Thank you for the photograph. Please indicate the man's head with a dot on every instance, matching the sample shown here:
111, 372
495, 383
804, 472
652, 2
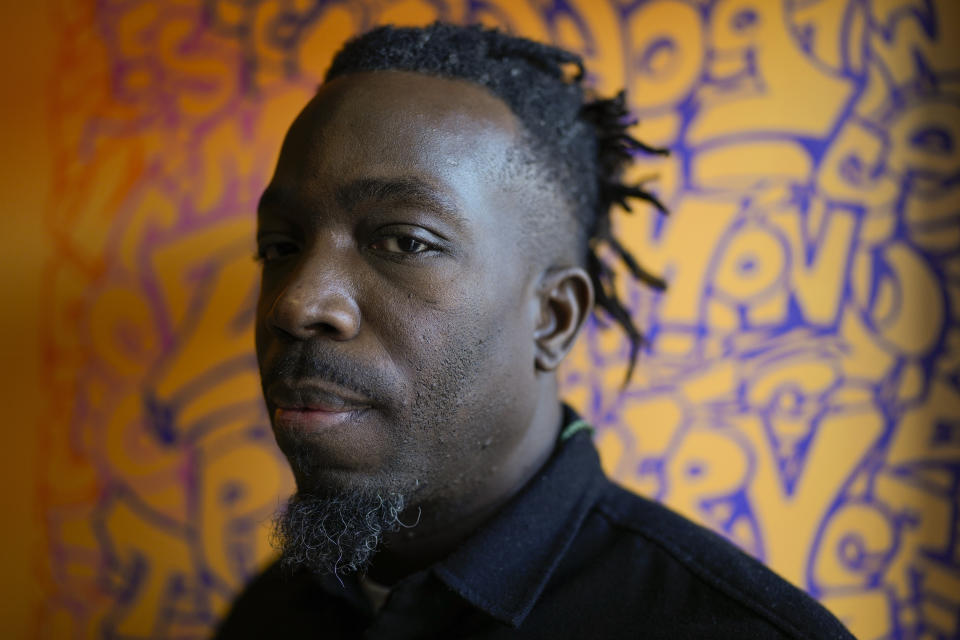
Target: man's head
427, 264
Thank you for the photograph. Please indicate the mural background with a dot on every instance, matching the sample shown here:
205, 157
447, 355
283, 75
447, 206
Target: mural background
801, 394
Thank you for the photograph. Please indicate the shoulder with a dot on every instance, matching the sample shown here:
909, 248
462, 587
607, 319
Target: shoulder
705, 568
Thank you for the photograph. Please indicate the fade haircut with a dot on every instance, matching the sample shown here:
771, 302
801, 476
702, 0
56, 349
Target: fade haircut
580, 139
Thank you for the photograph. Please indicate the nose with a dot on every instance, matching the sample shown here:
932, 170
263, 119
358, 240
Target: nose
315, 300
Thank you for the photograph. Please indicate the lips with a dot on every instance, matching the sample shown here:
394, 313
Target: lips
314, 405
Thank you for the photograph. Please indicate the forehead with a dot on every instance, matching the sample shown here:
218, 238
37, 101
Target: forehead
387, 124
368, 97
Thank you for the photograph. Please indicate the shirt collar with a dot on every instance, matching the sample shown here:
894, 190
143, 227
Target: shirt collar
503, 567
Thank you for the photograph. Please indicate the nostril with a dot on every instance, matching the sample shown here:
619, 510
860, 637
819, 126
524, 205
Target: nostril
339, 322
283, 334
333, 314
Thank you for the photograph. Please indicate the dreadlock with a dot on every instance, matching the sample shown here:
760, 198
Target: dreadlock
580, 139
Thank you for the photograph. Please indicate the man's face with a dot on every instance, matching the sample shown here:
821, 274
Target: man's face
397, 309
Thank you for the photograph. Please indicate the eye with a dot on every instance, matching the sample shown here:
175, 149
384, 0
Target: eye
270, 251
401, 244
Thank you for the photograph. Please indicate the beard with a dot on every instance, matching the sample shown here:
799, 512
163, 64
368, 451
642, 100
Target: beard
330, 526
335, 534
336, 522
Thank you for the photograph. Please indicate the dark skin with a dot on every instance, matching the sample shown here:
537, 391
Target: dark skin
409, 324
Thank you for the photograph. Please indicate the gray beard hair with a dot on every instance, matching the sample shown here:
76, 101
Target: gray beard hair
334, 534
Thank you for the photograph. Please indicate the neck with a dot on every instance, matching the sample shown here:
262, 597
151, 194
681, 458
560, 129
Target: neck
443, 525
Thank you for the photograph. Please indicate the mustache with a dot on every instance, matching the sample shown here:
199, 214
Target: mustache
322, 365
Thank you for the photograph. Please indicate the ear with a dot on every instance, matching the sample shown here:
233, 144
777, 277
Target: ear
565, 300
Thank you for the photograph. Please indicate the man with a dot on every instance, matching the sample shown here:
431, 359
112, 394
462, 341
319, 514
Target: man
429, 245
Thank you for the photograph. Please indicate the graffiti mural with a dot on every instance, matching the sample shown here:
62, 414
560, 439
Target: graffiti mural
801, 390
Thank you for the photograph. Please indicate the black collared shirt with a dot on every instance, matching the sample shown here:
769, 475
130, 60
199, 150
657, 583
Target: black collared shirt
572, 556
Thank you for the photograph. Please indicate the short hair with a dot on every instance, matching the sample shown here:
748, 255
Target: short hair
580, 139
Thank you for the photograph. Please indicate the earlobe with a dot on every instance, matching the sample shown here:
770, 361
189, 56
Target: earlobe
565, 301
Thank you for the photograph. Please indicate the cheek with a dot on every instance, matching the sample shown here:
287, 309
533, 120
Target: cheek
487, 346
263, 336
490, 324
260, 333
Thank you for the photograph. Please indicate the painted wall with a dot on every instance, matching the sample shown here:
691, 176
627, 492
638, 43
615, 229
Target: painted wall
802, 391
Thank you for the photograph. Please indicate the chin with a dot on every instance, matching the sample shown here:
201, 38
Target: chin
334, 464
335, 534
319, 473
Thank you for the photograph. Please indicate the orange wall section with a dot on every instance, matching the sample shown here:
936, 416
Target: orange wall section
800, 395
25, 59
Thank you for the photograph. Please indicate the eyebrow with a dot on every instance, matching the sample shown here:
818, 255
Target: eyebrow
408, 189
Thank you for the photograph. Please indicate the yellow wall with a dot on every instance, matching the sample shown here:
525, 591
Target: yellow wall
800, 395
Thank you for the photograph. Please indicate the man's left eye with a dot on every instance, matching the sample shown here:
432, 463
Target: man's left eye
401, 244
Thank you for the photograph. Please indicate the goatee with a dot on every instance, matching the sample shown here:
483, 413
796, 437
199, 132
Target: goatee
335, 534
